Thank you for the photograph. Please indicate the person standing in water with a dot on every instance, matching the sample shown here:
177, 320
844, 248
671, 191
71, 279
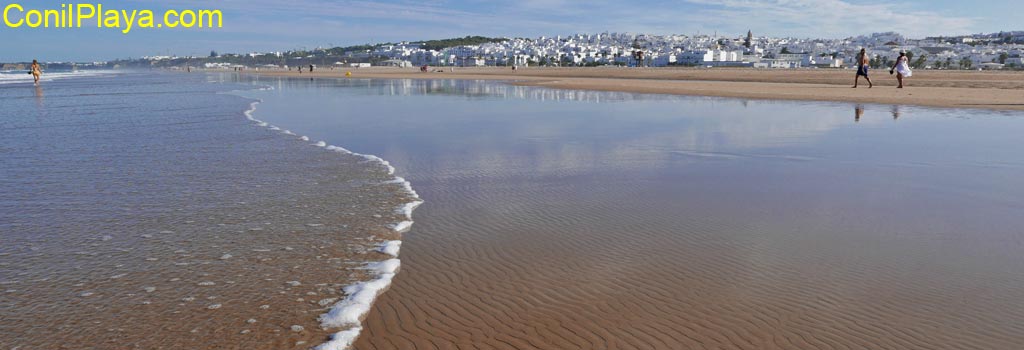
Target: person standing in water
902, 68
862, 69
36, 71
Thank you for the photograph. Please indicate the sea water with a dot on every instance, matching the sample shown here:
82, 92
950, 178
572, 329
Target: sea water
150, 210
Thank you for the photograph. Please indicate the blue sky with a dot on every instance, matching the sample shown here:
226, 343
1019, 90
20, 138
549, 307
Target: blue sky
263, 25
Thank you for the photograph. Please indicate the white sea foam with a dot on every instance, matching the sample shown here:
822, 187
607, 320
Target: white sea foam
407, 208
22, 76
341, 340
408, 189
338, 149
361, 295
390, 248
351, 310
402, 227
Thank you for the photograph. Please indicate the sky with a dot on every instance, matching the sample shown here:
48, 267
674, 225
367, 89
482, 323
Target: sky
265, 25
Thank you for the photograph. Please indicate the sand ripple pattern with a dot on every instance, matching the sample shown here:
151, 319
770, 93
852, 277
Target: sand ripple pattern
630, 266
568, 223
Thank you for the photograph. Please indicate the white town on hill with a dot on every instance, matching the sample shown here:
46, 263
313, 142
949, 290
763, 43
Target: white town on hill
980, 51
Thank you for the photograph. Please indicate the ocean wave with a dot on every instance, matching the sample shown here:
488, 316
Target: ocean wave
22, 76
360, 296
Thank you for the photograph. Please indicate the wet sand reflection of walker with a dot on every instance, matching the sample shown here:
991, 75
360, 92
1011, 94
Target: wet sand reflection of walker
858, 111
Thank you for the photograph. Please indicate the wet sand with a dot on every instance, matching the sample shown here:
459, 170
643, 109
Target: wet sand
936, 88
560, 219
147, 212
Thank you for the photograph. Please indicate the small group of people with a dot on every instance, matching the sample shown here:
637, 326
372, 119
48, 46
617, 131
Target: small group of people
310, 69
901, 68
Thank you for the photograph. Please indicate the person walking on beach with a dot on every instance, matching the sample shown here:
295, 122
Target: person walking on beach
311, 68
901, 68
862, 68
36, 71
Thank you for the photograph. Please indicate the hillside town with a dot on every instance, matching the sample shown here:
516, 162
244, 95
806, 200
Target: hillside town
991, 51
1004, 50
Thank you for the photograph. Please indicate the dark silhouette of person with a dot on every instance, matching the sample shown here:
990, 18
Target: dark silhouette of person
862, 69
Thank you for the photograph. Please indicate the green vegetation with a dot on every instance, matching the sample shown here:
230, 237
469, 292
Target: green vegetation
438, 45
880, 62
919, 63
965, 63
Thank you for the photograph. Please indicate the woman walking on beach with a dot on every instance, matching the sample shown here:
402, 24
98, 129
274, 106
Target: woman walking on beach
902, 68
862, 69
36, 71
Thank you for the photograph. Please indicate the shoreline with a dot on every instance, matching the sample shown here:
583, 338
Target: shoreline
943, 89
262, 235
516, 240
343, 320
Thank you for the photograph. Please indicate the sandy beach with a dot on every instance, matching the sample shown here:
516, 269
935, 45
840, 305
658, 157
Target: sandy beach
561, 219
933, 88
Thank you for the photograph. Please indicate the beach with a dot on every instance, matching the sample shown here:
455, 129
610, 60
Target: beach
934, 88
220, 210
571, 219
150, 211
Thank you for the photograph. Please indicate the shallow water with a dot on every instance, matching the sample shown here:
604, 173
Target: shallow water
145, 211
567, 219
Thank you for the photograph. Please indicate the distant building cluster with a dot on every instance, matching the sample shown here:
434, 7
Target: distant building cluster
1002, 50
978, 51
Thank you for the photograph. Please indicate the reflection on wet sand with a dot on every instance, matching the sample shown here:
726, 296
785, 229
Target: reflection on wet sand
39, 95
558, 219
858, 112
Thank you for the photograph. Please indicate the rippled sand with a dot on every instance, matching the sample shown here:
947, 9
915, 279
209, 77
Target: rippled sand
147, 212
583, 220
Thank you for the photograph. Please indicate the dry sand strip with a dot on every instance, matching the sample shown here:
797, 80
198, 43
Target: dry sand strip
949, 89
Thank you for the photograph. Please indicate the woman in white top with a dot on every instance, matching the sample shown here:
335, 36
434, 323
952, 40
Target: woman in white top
902, 68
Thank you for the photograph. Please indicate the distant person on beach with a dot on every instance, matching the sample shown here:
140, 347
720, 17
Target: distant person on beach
862, 69
36, 71
901, 68
311, 68
300, 69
